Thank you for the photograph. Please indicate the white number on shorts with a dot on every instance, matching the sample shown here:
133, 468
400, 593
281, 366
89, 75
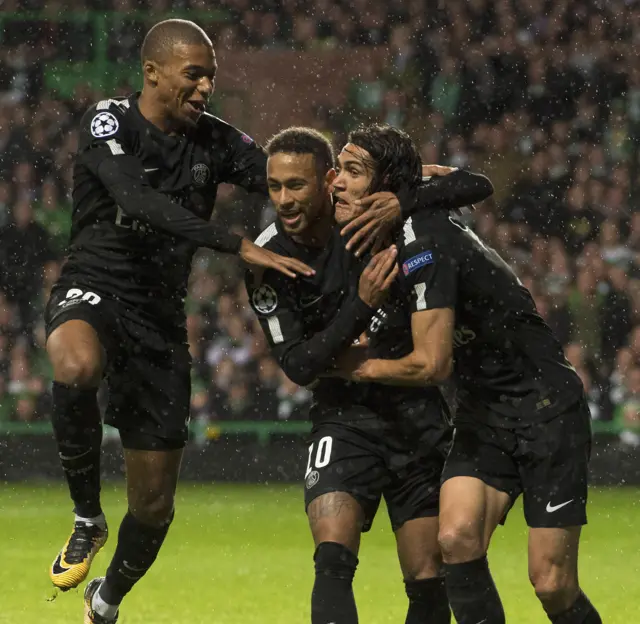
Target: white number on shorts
323, 455
75, 293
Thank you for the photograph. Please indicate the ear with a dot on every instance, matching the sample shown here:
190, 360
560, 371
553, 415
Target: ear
329, 177
151, 72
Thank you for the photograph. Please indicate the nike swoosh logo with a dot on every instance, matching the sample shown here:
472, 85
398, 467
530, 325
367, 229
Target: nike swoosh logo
132, 568
305, 303
153, 169
57, 568
552, 508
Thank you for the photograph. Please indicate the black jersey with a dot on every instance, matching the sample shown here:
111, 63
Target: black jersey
311, 320
142, 200
509, 368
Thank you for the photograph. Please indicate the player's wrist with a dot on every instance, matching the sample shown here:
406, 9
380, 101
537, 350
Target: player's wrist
366, 371
362, 309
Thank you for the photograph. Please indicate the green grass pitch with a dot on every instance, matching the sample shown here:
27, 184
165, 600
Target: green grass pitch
241, 554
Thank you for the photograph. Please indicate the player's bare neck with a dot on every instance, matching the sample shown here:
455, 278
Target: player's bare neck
155, 114
316, 236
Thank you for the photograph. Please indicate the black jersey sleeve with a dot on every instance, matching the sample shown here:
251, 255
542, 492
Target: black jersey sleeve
430, 272
455, 190
106, 149
302, 357
245, 162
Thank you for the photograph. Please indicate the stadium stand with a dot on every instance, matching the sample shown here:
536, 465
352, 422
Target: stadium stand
544, 100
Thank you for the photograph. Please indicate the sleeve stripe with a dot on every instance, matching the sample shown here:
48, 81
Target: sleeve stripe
115, 147
421, 300
275, 329
409, 234
266, 235
106, 104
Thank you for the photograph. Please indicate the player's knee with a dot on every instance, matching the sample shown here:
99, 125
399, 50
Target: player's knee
460, 543
555, 588
422, 567
77, 368
153, 507
335, 560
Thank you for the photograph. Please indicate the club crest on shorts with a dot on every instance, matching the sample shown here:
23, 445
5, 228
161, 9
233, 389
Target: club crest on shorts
200, 174
264, 299
104, 124
312, 479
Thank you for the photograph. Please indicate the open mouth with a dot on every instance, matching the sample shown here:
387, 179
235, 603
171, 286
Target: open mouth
197, 107
291, 219
340, 203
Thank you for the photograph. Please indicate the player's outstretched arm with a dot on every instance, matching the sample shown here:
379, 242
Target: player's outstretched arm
446, 188
257, 256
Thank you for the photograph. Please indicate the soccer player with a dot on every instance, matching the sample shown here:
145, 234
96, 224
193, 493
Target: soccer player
366, 442
522, 424
145, 182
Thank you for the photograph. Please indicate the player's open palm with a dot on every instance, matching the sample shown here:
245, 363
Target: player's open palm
260, 257
378, 276
373, 227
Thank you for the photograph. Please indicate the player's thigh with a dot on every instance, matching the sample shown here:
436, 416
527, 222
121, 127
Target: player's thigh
553, 560
150, 391
480, 483
554, 467
344, 480
152, 478
79, 327
336, 517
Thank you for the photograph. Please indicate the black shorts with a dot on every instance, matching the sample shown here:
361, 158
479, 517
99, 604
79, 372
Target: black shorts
148, 372
547, 462
368, 462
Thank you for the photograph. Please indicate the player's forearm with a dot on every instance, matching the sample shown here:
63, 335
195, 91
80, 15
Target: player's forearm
411, 370
309, 359
457, 189
143, 203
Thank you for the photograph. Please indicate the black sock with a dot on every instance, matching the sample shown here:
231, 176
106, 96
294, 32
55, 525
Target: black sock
137, 549
428, 602
582, 612
472, 592
332, 597
78, 432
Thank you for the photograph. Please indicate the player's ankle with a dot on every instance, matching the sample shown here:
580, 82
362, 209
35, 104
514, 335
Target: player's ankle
101, 606
98, 520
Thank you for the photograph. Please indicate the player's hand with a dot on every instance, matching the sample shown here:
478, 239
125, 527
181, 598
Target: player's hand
378, 276
428, 171
373, 227
260, 257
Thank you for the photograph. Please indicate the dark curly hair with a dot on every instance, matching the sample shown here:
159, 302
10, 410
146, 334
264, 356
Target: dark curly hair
300, 140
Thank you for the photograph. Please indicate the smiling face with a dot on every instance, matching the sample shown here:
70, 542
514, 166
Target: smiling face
299, 192
183, 82
354, 179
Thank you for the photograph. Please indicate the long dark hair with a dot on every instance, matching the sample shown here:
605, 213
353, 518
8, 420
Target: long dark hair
395, 158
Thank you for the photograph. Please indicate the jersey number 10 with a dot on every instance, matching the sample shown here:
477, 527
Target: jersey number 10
323, 454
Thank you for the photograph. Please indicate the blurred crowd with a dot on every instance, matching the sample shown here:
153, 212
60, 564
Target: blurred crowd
541, 96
